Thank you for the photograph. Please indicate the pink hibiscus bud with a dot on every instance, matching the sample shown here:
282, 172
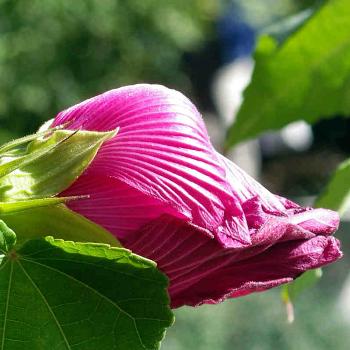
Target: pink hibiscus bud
161, 188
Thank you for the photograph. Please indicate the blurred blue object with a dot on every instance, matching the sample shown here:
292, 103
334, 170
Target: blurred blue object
236, 37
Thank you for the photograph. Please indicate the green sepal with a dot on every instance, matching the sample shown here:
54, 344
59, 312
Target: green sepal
22, 205
65, 295
49, 164
57, 221
11, 145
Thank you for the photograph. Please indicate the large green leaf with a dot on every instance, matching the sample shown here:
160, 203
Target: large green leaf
307, 77
63, 295
336, 195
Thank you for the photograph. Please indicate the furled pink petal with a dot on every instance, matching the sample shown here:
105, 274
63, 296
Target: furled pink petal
162, 152
202, 271
259, 205
115, 205
162, 189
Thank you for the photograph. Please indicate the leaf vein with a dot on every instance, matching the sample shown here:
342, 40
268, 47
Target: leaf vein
93, 290
47, 304
7, 305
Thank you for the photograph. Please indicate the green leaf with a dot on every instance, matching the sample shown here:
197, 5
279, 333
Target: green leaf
49, 165
306, 280
308, 77
336, 196
7, 238
282, 29
64, 295
57, 221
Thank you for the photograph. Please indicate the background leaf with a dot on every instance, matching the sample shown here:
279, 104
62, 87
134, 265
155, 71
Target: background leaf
64, 295
291, 290
336, 196
308, 77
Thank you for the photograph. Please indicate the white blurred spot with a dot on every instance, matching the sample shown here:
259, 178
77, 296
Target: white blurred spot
227, 89
228, 86
297, 136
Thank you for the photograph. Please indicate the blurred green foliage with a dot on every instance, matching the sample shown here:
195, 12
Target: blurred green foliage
258, 322
54, 53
